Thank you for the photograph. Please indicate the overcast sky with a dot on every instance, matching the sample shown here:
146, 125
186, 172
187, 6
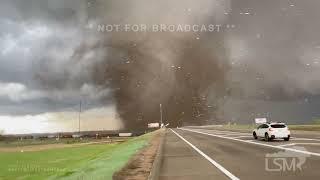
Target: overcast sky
33, 33
41, 37
273, 51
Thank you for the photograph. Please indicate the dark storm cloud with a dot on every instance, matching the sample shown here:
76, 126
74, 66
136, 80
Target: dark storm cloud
275, 49
275, 58
34, 33
59, 11
54, 51
143, 70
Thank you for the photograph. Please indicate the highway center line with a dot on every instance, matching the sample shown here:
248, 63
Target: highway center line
225, 132
241, 136
235, 134
251, 142
293, 144
306, 139
283, 145
221, 168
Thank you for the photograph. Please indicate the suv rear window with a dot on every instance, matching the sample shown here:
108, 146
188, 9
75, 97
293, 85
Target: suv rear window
278, 126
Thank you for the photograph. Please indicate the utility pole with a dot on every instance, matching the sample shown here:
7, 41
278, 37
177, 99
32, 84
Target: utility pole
160, 115
79, 117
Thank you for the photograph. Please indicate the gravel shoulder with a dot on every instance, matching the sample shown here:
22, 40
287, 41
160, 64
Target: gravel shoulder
140, 165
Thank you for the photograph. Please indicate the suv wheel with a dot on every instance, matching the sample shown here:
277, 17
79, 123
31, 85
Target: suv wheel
255, 135
287, 139
266, 137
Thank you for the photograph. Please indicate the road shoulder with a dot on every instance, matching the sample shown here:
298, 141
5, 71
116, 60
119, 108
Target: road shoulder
140, 165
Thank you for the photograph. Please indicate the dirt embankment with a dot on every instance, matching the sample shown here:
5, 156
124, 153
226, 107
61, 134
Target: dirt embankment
140, 165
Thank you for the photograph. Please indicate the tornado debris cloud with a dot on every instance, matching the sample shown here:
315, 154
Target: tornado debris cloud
199, 77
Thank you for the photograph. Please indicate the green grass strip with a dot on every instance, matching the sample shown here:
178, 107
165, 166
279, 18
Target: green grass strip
98, 161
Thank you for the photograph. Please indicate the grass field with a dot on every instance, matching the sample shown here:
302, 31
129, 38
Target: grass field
31, 142
313, 127
97, 161
28, 142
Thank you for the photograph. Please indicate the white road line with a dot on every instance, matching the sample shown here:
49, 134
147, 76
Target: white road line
306, 139
222, 131
242, 136
293, 144
283, 145
250, 142
226, 132
221, 168
236, 134
230, 133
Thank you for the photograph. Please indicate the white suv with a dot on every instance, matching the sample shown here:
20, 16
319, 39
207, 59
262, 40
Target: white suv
270, 131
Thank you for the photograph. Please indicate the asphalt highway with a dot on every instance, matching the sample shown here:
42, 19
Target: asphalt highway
194, 153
